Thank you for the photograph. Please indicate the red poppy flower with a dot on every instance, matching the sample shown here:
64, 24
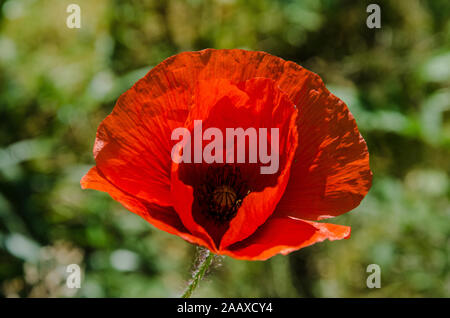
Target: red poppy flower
234, 209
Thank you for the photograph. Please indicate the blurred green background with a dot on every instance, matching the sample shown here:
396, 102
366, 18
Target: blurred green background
57, 84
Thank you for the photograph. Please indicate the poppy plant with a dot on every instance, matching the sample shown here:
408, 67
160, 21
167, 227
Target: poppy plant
230, 207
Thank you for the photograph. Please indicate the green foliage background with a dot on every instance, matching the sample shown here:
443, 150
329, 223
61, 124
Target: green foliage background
57, 84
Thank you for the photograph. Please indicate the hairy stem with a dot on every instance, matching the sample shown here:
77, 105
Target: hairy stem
198, 274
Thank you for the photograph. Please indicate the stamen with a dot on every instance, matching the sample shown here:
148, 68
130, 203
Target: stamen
221, 193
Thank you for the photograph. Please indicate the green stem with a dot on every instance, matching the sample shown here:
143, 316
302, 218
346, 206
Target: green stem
198, 275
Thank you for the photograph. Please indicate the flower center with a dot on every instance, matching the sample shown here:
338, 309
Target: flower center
221, 193
224, 197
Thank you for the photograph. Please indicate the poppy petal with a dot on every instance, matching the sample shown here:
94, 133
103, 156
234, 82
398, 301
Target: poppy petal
183, 202
251, 104
285, 235
236, 65
163, 218
330, 174
132, 146
257, 207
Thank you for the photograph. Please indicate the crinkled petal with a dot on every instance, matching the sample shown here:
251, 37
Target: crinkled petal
330, 174
164, 218
283, 236
132, 146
